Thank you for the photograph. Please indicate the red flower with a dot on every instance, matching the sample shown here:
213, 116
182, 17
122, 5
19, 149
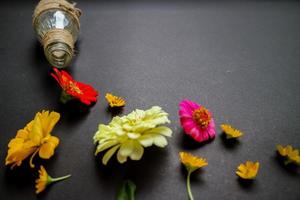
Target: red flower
74, 89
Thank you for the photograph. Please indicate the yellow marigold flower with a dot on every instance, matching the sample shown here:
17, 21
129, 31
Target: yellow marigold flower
34, 138
114, 101
230, 131
191, 163
44, 180
248, 170
291, 155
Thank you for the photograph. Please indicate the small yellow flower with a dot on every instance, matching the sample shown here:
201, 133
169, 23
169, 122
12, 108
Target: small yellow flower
291, 155
44, 180
230, 131
192, 162
248, 170
34, 138
114, 101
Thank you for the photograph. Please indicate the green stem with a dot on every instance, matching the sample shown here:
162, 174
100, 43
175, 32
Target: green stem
60, 178
188, 186
64, 97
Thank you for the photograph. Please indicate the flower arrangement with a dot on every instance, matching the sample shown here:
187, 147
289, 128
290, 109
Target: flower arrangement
130, 134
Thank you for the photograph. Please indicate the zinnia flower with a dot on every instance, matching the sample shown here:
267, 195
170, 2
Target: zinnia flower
34, 138
114, 101
191, 164
248, 170
73, 89
44, 180
196, 121
230, 131
291, 155
130, 134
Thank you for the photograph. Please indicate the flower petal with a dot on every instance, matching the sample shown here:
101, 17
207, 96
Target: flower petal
137, 152
126, 148
146, 140
105, 145
160, 141
109, 154
121, 158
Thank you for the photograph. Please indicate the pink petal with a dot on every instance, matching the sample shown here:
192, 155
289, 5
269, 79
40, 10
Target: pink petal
188, 105
195, 133
211, 129
187, 124
185, 113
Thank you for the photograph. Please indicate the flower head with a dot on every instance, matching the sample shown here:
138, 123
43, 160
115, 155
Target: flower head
196, 121
192, 162
130, 134
74, 89
114, 101
34, 138
44, 180
291, 155
230, 131
248, 170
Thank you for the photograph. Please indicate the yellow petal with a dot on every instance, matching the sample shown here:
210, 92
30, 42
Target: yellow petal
16, 157
137, 151
109, 154
16, 143
105, 145
49, 121
47, 149
121, 158
36, 133
126, 148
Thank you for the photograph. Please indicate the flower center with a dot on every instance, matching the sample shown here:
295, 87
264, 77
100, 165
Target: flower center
74, 87
202, 117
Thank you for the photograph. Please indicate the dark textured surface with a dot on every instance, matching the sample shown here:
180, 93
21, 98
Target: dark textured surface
241, 59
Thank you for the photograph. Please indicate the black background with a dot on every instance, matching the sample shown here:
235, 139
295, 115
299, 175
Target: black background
241, 59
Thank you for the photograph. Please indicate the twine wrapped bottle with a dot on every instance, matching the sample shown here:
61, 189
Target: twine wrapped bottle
56, 23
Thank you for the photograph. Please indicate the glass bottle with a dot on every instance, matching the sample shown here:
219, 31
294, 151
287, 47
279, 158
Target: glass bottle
56, 23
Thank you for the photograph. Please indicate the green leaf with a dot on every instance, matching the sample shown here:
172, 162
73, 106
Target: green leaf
127, 191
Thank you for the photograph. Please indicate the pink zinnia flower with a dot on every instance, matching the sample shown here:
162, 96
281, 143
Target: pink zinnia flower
196, 121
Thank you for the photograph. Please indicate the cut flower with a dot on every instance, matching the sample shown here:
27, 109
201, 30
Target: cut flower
196, 121
231, 132
34, 138
45, 179
73, 89
291, 155
131, 133
114, 101
248, 170
191, 164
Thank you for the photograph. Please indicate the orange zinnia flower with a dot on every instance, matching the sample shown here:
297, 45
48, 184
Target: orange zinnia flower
74, 89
